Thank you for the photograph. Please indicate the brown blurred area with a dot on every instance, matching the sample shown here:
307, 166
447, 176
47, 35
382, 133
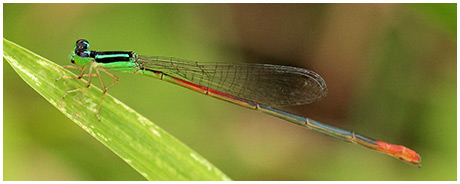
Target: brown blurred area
338, 41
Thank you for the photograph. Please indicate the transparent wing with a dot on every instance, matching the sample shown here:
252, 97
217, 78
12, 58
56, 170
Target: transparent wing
263, 83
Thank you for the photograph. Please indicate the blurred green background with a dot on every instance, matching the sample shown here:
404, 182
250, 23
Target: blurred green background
390, 70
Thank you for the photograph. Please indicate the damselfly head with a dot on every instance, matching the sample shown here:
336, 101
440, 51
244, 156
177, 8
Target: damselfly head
80, 56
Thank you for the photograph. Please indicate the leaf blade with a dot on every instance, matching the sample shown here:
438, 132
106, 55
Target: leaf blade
147, 148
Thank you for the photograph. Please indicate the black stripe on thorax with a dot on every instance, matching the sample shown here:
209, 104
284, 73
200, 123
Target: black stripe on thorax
111, 56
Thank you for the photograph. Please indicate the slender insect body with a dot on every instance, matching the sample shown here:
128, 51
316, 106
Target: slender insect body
248, 85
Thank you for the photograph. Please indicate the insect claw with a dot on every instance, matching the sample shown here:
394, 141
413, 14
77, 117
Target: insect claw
97, 116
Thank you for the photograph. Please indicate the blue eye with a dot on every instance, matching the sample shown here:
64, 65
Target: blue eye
82, 44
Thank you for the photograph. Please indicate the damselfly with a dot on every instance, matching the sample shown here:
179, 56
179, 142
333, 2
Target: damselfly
255, 86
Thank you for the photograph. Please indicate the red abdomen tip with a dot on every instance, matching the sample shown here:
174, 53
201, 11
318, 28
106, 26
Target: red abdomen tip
400, 152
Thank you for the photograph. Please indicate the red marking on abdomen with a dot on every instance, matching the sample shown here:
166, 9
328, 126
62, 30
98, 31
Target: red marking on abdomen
400, 152
192, 86
211, 92
222, 94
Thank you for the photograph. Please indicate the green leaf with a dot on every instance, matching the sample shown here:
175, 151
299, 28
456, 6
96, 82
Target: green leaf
147, 148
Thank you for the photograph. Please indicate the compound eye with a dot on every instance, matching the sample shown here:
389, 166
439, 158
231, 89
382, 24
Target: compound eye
82, 44
73, 61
